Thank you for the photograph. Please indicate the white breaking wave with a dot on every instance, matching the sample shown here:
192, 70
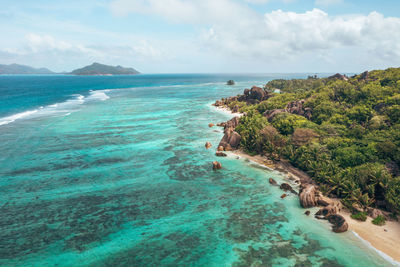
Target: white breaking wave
12, 118
100, 95
57, 108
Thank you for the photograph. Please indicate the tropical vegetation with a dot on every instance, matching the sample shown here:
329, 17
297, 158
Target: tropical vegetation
350, 144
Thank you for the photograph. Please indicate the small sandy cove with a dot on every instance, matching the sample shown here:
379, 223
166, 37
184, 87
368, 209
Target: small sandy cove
384, 238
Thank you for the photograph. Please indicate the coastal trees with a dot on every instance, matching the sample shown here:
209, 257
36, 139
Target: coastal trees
350, 140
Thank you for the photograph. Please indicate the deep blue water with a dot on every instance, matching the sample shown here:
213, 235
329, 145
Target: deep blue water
112, 171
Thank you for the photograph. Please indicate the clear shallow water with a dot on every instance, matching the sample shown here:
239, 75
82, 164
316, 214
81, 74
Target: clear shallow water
121, 177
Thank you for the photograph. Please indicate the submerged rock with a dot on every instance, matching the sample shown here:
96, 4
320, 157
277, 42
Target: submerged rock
216, 165
286, 187
208, 145
273, 182
283, 196
307, 213
220, 154
210, 125
339, 223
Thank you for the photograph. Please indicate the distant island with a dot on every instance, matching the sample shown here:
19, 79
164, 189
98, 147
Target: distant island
101, 69
22, 69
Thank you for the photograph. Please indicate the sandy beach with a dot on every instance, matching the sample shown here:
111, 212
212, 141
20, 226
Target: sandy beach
383, 238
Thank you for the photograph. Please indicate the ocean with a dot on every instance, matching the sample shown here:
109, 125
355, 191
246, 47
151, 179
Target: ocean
112, 171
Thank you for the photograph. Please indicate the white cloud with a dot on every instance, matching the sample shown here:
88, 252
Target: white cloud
49, 51
234, 29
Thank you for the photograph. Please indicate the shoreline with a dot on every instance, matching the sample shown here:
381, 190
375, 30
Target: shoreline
384, 242
382, 239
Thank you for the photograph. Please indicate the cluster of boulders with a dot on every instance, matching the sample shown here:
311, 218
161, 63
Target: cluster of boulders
231, 139
311, 197
254, 95
250, 96
339, 76
294, 107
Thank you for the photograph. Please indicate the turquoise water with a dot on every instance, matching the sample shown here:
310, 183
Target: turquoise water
121, 178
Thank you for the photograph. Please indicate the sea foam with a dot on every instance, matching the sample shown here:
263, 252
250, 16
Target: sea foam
57, 108
12, 118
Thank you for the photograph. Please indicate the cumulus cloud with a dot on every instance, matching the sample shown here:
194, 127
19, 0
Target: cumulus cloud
234, 28
46, 48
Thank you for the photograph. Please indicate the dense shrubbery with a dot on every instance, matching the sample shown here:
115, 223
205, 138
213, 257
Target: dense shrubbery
353, 134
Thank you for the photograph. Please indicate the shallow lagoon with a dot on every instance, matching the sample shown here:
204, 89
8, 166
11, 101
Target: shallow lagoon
121, 177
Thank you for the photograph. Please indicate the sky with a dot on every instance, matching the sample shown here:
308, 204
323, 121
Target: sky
203, 36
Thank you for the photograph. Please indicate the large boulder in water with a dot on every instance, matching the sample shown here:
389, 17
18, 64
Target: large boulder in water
339, 224
307, 196
208, 145
216, 165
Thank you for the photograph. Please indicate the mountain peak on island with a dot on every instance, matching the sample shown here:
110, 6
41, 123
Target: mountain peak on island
22, 69
101, 69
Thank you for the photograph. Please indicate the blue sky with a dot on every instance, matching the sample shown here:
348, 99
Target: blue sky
203, 36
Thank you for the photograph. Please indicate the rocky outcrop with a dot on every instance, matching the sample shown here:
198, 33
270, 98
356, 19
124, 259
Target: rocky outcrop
216, 165
339, 224
327, 211
297, 107
231, 139
220, 148
339, 76
307, 213
324, 201
374, 213
307, 196
208, 145
364, 76
287, 187
254, 95
283, 196
294, 107
210, 125
220, 154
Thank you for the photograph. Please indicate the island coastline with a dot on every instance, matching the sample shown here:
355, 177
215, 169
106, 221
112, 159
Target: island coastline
380, 238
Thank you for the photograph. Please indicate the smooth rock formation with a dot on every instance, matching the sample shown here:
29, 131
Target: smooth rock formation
325, 212
208, 145
373, 213
220, 154
217, 165
324, 201
339, 224
231, 139
307, 196
254, 95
